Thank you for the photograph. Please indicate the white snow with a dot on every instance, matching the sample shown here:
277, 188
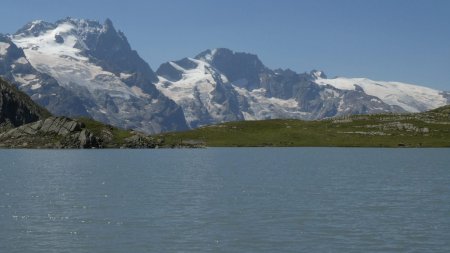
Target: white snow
125, 75
317, 73
139, 93
341, 107
28, 80
210, 57
262, 107
36, 86
195, 86
65, 63
111, 100
4, 48
375, 100
410, 97
34, 23
22, 60
25, 80
193, 94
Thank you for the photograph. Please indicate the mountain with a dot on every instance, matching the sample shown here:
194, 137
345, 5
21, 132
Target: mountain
411, 98
77, 67
221, 85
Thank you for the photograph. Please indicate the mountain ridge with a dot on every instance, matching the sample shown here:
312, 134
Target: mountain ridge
80, 67
270, 94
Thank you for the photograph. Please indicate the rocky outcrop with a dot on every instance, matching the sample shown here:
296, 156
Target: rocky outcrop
139, 140
66, 133
16, 108
53, 132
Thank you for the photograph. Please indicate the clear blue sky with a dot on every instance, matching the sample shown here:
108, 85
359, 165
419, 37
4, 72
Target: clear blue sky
393, 40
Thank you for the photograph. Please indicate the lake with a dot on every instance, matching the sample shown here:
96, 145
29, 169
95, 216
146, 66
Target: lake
225, 200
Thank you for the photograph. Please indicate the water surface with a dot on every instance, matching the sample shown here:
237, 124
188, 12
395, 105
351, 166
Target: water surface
225, 200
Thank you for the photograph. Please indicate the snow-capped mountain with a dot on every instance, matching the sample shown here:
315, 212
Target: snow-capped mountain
221, 85
202, 91
78, 67
412, 98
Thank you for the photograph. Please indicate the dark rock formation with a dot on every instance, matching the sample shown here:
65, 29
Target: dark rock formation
236, 66
16, 108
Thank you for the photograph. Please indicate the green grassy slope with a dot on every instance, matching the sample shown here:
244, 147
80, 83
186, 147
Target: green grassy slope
116, 135
429, 129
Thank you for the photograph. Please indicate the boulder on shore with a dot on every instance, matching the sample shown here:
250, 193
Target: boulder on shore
53, 132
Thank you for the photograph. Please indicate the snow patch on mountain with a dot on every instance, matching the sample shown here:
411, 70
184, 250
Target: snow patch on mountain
209, 56
22, 60
66, 63
194, 90
410, 97
3, 48
207, 96
263, 107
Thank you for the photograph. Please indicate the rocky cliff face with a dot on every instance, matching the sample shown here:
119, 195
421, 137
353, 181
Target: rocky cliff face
16, 108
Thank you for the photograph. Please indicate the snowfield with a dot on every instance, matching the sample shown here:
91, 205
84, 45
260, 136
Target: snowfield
194, 90
410, 97
67, 65
4, 48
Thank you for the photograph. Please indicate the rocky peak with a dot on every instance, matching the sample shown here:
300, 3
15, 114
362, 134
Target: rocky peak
16, 108
171, 70
236, 66
113, 52
108, 25
35, 28
317, 74
225, 55
8, 51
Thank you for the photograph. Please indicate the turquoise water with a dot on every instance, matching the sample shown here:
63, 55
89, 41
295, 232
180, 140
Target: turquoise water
225, 200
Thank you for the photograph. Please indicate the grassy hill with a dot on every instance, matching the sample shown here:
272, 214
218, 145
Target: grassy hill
428, 129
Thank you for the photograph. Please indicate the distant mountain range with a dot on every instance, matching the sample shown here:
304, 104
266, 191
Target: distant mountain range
77, 67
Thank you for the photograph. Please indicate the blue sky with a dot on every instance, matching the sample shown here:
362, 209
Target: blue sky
392, 40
